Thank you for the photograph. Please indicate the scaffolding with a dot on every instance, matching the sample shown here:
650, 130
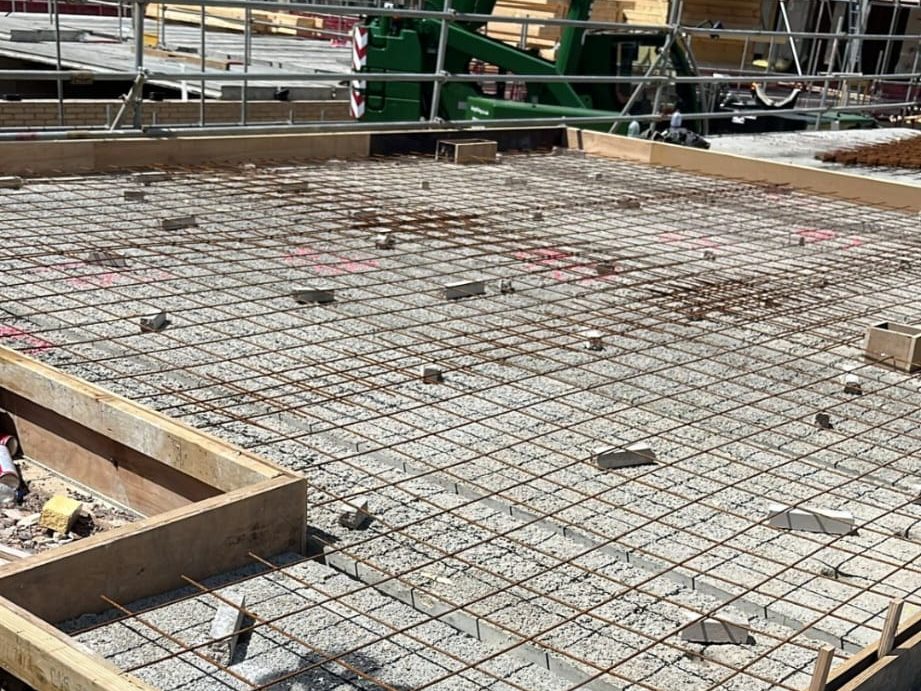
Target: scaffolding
829, 51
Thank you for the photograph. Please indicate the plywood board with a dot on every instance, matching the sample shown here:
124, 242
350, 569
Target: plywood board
150, 556
209, 460
855, 188
47, 660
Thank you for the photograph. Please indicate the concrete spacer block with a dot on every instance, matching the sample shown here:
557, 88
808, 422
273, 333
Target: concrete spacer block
295, 186
106, 258
178, 223
59, 513
225, 628
385, 241
425, 185
893, 345
823, 421
134, 195
154, 324
432, 374
151, 176
629, 203
810, 519
616, 457
594, 340
714, 631
465, 151
506, 286
464, 289
606, 267
852, 384
318, 295
356, 514
10, 182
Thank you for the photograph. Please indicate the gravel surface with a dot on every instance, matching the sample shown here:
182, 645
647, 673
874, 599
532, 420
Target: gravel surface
732, 314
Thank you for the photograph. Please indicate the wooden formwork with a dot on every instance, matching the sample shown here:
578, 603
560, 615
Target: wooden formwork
208, 505
854, 188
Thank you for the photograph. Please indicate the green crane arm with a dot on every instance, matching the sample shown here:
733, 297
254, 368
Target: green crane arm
473, 45
570, 50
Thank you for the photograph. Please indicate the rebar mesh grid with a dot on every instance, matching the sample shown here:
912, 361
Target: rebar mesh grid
731, 314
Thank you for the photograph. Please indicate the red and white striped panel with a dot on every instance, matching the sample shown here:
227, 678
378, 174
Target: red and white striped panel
359, 60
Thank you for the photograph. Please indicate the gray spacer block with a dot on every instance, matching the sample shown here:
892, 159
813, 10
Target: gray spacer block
10, 182
112, 260
464, 289
318, 295
225, 626
714, 631
432, 374
385, 241
618, 457
148, 177
178, 223
811, 520
295, 186
134, 195
154, 324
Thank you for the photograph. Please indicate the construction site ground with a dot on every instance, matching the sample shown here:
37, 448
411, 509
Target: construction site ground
728, 312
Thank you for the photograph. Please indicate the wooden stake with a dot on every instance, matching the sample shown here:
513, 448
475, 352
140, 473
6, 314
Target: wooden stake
822, 667
887, 637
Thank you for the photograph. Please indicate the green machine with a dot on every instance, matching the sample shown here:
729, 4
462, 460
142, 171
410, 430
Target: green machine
385, 44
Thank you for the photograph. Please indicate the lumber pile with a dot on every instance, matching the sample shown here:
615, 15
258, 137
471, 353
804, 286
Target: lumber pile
234, 19
545, 37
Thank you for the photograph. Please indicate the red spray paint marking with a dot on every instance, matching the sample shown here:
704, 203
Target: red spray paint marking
105, 279
816, 234
678, 239
563, 268
36, 344
329, 264
853, 241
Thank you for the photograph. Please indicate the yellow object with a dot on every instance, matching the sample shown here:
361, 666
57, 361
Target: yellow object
59, 513
151, 40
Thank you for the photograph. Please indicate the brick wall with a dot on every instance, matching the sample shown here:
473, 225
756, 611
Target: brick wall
82, 113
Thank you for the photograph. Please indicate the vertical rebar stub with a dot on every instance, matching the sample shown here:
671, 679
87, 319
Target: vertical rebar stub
432, 374
313, 295
155, 323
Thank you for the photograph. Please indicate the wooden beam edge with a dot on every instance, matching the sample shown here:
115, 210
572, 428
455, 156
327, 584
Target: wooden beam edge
48, 660
864, 662
101, 541
887, 194
140, 428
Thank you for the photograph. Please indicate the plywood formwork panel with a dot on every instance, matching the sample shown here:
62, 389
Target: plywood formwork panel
206, 459
151, 555
45, 658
